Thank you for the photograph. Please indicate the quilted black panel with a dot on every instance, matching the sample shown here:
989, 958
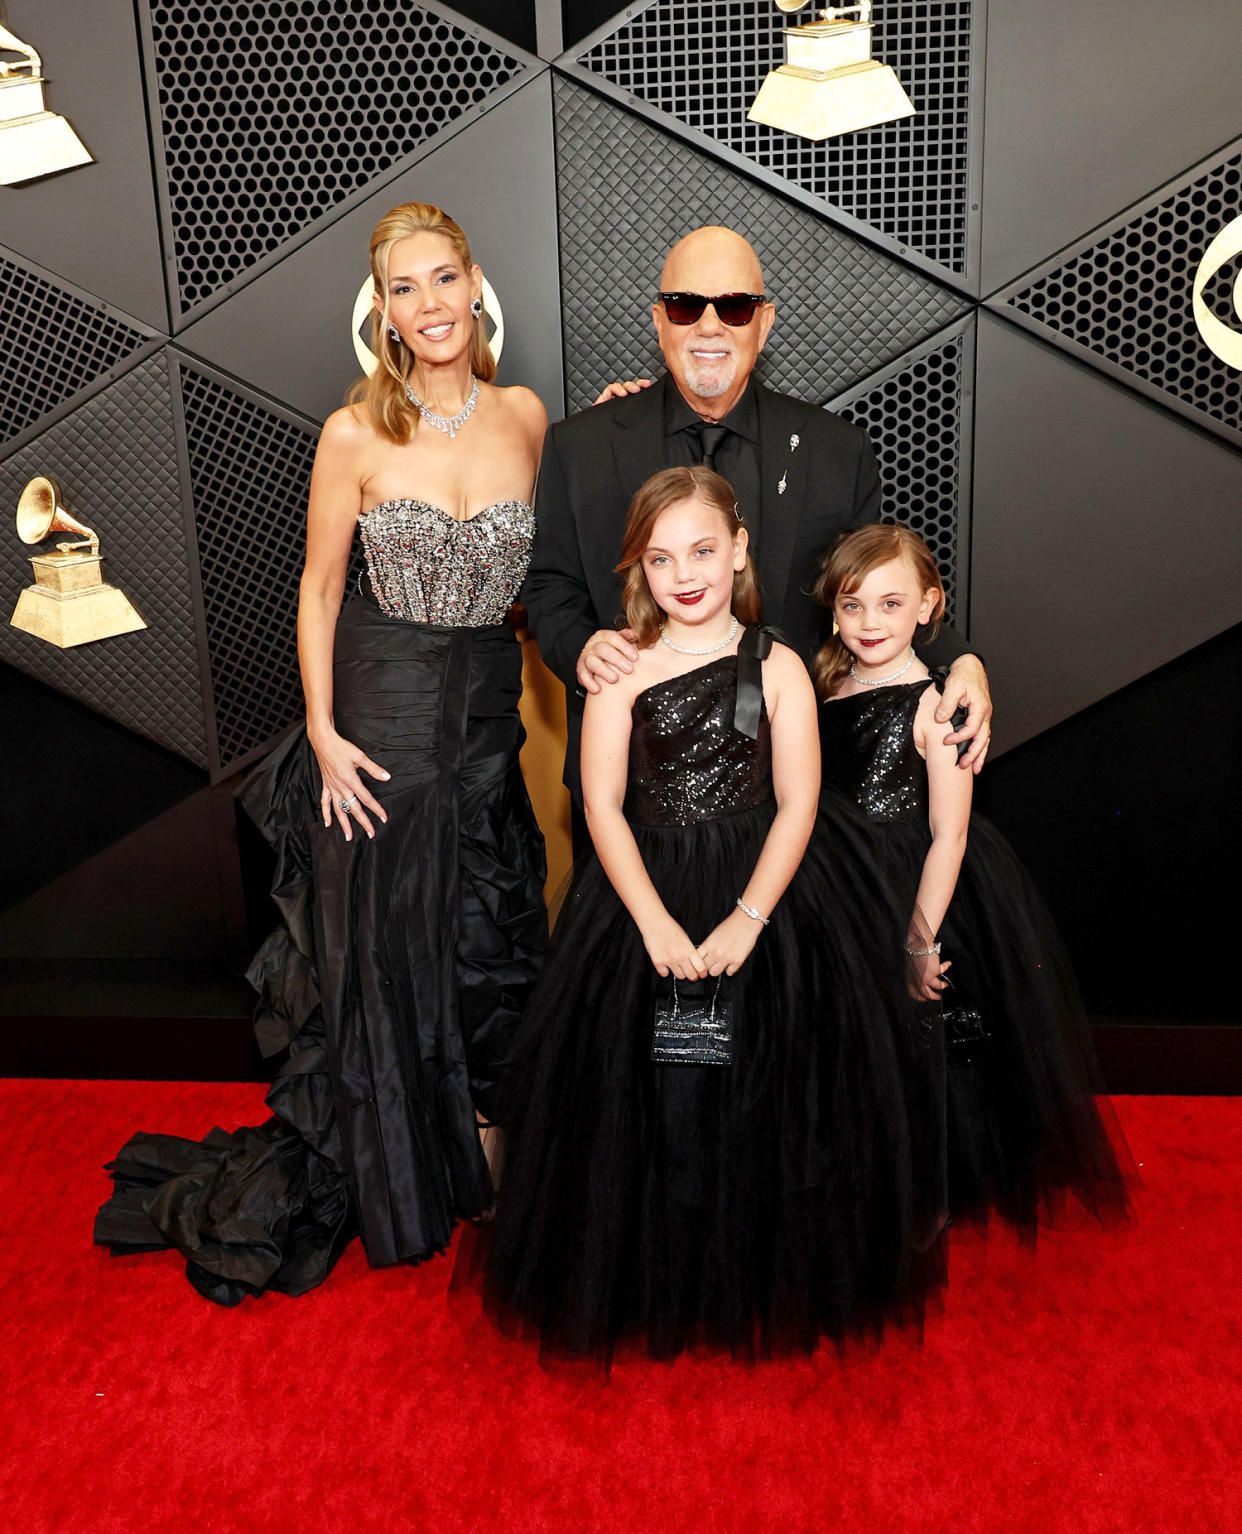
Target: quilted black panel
627, 191
276, 110
52, 344
913, 416
1126, 297
116, 460
250, 473
703, 61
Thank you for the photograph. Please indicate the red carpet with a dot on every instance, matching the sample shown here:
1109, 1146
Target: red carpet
1095, 1384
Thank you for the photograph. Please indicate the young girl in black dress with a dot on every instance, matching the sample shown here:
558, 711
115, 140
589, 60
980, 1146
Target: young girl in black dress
771, 1197
1023, 1123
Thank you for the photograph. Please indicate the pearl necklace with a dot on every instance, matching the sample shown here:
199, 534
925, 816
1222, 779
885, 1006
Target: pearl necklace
882, 681
447, 424
711, 649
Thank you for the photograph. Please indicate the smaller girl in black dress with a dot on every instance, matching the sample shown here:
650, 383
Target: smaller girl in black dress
1023, 1123
756, 1188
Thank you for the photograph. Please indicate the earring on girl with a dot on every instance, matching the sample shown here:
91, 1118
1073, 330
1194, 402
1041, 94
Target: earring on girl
476, 308
836, 628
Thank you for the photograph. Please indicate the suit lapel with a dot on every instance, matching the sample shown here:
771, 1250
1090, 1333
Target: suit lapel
782, 495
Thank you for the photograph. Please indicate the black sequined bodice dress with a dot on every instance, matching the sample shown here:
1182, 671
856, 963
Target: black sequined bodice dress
403, 964
756, 1206
1024, 1123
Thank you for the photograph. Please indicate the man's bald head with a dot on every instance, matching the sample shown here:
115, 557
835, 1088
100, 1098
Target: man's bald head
712, 249
711, 362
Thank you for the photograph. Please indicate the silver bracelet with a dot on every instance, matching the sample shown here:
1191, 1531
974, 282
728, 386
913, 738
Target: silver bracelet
922, 953
750, 911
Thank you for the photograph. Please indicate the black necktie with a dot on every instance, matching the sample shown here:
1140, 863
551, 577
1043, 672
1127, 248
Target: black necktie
709, 437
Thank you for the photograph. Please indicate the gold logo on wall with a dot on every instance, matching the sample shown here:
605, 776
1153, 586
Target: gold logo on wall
33, 141
363, 308
1223, 339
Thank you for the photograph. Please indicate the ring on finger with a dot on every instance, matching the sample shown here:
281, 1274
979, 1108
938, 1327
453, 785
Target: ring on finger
345, 803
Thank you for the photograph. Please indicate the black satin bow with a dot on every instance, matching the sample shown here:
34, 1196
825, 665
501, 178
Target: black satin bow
754, 649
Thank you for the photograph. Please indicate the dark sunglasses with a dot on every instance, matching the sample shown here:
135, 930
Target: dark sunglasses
732, 308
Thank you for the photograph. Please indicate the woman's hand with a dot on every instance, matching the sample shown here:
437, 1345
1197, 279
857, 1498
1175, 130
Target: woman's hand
339, 765
619, 388
924, 972
727, 947
669, 948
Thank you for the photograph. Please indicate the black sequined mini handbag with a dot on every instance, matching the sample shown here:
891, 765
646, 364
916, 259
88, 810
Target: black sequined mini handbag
694, 1027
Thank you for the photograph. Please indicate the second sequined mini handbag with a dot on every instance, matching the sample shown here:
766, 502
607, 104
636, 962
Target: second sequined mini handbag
694, 1027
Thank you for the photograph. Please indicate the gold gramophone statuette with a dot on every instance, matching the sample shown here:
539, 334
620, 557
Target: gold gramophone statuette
33, 141
70, 603
829, 83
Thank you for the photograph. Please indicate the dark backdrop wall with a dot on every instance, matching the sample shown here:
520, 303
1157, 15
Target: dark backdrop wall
999, 289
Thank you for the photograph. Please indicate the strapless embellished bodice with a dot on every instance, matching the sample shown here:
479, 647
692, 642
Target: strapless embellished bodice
427, 567
868, 753
687, 761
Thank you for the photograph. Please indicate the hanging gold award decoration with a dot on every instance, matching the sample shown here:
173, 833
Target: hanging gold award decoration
33, 141
829, 83
70, 603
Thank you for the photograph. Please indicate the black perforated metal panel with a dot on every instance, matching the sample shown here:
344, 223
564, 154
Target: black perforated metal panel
1127, 297
703, 61
52, 343
116, 460
627, 191
250, 473
275, 110
913, 415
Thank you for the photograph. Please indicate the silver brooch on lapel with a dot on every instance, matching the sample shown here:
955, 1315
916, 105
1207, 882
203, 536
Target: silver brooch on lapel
793, 442
780, 489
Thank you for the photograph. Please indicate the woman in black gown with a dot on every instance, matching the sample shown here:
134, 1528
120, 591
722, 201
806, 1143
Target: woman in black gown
409, 865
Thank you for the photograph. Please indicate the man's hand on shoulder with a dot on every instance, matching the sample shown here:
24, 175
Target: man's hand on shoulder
605, 656
966, 686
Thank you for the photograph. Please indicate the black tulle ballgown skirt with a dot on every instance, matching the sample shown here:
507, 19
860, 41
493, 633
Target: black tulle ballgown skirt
754, 1207
395, 982
1026, 1119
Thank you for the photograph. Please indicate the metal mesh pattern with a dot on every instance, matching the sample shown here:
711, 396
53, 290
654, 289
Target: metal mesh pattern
627, 191
116, 460
250, 472
1127, 297
703, 61
914, 420
52, 344
275, 110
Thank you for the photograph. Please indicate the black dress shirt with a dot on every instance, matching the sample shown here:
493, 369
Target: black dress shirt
737, 458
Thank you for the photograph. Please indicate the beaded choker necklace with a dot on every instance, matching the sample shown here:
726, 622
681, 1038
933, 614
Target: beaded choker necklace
881, 681
710, 650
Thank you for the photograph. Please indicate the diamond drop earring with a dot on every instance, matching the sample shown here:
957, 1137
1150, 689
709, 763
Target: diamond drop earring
476, 308
393, 333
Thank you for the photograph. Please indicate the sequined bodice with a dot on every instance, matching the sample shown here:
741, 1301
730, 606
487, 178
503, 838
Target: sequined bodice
428, 567
687, 762
867, 748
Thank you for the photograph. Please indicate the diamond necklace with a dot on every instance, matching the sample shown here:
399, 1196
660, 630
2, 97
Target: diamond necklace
881, 681
448, 424
711, 649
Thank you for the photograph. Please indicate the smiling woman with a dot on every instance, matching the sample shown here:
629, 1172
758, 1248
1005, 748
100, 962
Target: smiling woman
410, 868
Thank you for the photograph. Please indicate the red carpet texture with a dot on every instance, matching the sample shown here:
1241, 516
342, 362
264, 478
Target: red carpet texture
1094, 1383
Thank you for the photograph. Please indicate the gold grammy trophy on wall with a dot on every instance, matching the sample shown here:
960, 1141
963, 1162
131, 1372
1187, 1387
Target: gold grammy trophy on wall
33, 141
70, 602
829, 83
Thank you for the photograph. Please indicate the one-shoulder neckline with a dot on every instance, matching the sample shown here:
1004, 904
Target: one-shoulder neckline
416, 500
923, 681
682, 675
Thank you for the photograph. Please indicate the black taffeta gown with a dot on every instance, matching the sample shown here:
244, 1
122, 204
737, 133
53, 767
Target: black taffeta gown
754, 1207
1024, 1123
403, 964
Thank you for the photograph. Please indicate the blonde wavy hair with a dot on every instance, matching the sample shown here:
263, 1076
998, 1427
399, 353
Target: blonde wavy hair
846, 565
654, 496
382, 396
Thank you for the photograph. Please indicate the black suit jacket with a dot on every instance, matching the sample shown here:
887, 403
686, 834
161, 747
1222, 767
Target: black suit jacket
817, 476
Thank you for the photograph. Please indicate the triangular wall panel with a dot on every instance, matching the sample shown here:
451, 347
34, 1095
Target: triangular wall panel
700, 63
1122, 296
275, 112
628, 191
